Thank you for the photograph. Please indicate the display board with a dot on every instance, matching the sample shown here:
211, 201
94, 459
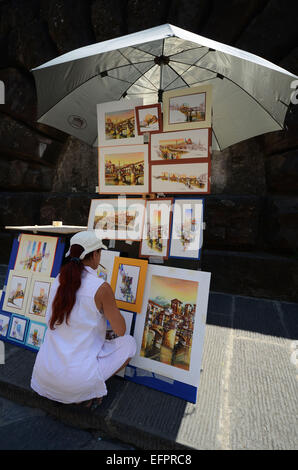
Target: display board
34, 262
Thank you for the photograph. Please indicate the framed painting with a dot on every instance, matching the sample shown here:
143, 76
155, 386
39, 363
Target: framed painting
123, 170
117, 219
170, 329
17, 292
128, 282
181, 146
4, 324
187, 228
38, 297
17, 330
187, 108
105, 268
36, 253
35, 334
128, 317
156, 231
186, 178
117, 123
149, 118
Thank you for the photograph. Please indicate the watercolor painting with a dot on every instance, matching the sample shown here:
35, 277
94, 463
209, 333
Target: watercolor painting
187, 108
105, 268
127, 283
149, 118
35, 335
117, 122
36, 253
186, 236
39, 299
156, 228
123, 170
169, 331
180, 178
17, 329
192, 144
169, 322
4, 322
17, 291
118, 219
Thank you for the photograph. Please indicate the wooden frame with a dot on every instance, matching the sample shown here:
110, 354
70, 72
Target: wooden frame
186, 146
187, 108
128, 207
117, 163
165, 216
114, 133
133, 285
38, 298
17, 292
143, 116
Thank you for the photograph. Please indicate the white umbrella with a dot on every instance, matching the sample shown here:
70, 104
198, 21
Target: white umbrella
250, 95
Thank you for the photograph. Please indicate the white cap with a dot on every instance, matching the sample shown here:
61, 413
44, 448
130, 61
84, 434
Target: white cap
87, 240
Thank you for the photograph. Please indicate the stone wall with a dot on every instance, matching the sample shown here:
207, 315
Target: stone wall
250, 241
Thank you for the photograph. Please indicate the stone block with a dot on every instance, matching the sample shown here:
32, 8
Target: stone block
282, 173
189, 15
231, 222
19, 208
279, 225
72, 209
252, 274
19, 175
108, 19
20, 94
143, 14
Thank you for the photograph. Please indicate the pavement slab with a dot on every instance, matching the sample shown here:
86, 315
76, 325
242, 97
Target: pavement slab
247, 397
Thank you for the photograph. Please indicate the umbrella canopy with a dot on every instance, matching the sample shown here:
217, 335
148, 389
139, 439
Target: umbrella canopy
250, 95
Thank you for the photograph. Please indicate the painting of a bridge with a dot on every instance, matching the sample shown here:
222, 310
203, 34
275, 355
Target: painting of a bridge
123, 170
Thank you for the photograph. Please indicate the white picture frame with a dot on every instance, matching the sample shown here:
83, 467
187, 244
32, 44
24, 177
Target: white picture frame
197, 284
36, 254
38, 298
116, 121
107, 258
17, 292
123, 170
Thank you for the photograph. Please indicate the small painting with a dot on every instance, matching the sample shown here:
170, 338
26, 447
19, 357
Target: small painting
17, 291
35, 335
128, 280
117, 123
36, 254
183, 145
156, 231
117, 219
39, 297
187, 226
17, 329
149, 118
4, 322
105, 268
187, 108
123, 170
180, 178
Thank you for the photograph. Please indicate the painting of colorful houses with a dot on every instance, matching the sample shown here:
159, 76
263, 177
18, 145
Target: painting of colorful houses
169, 323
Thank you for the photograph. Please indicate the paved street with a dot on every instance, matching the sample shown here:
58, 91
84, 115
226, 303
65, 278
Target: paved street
26, 428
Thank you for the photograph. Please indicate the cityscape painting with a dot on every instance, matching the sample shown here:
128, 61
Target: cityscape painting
123, 170
38, 297
169, 332
17, 291
181, 145
180, 178
117, 123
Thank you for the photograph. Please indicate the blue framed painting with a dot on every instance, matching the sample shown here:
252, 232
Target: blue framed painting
35, 335
4, 324
17, 329
187, 228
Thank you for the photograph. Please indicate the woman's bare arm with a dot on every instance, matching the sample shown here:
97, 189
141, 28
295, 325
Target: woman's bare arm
105, 302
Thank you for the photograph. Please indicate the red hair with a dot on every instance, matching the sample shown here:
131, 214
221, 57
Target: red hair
69, 283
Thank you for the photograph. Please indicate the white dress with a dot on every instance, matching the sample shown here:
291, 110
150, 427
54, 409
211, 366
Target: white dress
70, 366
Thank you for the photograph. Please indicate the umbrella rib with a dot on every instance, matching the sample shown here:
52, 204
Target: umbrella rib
187, 50
134, 65
178, 76
125, 92
251, 96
